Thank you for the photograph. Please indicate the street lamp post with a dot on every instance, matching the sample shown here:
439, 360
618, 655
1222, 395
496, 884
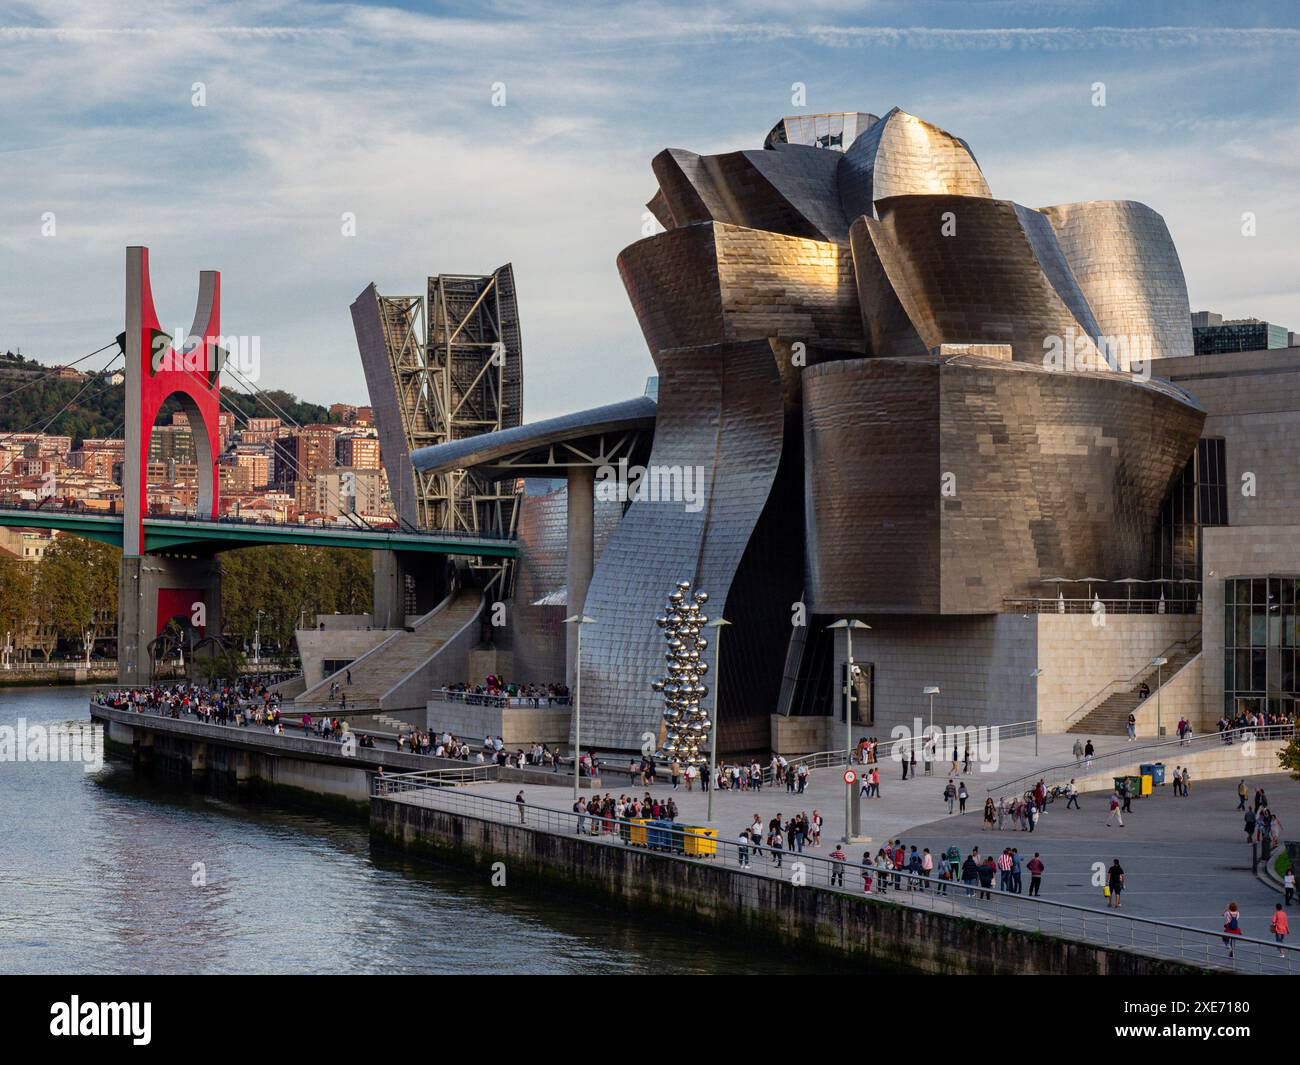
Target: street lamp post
257, 641
1159, 663
1036, 674
579, 620
717, 624
848, 625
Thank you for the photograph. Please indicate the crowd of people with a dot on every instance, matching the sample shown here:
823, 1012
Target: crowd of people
603, 815
247, 703
496, 690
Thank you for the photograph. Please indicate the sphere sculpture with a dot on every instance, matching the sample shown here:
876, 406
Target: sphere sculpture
686, 723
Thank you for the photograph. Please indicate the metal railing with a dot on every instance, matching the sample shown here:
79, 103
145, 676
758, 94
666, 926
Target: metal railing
1049, 605
527, 702
30, 666
1138, 755
1143, 935
942, 736
44, 506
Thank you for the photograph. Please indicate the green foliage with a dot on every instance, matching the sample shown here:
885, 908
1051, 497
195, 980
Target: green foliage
76, 586
17, 584
99, 410
1289, 757
284, 581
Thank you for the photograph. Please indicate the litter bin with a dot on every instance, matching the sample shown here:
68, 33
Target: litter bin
636, 832
1154, 770
1134, 784
659, 835
700, 842
1146, 784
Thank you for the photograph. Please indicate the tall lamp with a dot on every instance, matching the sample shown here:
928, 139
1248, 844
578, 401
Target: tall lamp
579, 620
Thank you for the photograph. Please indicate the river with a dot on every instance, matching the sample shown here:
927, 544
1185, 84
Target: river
97, 871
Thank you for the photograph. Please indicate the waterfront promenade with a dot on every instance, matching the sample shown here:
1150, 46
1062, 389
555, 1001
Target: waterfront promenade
461, 809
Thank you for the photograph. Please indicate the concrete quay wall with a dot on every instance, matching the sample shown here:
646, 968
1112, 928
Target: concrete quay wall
884, 936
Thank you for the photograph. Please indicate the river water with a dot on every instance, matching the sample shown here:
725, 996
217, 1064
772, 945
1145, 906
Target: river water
97, 870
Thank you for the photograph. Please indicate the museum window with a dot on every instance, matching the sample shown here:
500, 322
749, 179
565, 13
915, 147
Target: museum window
1260, 630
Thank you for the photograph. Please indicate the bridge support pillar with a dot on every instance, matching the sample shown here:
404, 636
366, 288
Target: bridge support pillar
404, 579
581, 556
154, 589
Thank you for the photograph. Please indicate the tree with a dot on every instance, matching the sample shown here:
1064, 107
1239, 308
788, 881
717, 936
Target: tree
286, 582
76, 587
1289, 757
17, 582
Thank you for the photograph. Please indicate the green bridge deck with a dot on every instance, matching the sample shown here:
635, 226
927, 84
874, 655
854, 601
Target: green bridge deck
162, 534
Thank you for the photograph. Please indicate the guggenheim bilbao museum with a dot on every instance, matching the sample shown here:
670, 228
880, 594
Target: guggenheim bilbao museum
883, 394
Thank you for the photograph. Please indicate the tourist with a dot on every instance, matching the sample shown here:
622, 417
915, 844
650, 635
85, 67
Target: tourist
1126, 794
1231, 926
1114, 884
816, 828
987, 872
742, 848
1115, 813
969, 873
1072, 793
1288, 885
837, 870
580, 808
927, 868
1087, 754
1241, 796
988, 815
962, 796
1250, 826
1280, 928
1036, 868
1132, 727
1017, 881
1004, 869
868, 872
519, 801
1187, 782
950, 795
1078, 751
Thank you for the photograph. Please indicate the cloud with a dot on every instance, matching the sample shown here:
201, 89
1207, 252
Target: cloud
314, 109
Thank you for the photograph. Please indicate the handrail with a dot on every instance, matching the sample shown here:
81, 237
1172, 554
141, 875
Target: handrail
1128, 755
894, 748
1090, 704
1114, 928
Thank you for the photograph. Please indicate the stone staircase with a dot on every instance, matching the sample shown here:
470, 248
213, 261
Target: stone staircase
1110, 716
378, 670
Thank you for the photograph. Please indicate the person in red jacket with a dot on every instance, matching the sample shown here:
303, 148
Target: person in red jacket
1036, 868
1280, 929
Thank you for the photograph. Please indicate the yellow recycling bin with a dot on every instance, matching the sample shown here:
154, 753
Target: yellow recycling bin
1146, 784
636, 832
700, 842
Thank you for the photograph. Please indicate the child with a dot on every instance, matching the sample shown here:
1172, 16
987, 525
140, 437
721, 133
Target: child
1280, 929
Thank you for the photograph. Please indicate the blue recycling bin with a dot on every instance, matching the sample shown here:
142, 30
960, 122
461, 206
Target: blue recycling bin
659, 835
1155, 770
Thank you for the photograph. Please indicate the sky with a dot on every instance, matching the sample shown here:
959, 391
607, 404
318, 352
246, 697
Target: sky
313, 110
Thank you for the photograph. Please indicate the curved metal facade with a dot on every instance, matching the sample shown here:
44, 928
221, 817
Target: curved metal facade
945, 486
902, 155
1128, 268
966, 272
